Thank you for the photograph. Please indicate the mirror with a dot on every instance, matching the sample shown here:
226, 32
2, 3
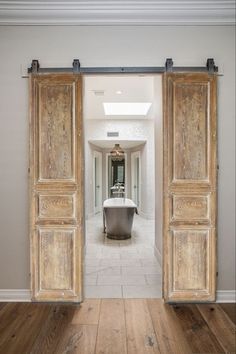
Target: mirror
116, 177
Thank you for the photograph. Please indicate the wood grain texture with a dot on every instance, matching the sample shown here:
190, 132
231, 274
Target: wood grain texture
141, 336
189, 186
230, 310
190, 207
56, 136
190, 268
25, 321
56, 187
88, 312
56, 272
78, 339
2, 304
170, 336
197, 332
220, 324
190, 130
9, 316
53, 330
111, 338
56, 206
122, 326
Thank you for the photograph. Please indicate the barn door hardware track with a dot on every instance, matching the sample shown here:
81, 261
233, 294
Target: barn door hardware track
169, 67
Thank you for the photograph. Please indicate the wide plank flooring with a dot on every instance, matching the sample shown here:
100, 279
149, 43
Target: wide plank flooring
117, 326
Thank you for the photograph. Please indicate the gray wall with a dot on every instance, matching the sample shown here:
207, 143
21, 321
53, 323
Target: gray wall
103, 46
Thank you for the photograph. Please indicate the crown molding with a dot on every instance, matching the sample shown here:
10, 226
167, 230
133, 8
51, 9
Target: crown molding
117, 12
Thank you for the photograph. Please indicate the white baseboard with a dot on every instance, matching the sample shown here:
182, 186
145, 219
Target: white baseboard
226, 296
15, 295
24, 295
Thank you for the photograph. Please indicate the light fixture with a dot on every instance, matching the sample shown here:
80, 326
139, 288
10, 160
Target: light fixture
118, 92
117, 153
126, 108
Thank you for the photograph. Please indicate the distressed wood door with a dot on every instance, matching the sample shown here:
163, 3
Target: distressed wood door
56, 187
189, 208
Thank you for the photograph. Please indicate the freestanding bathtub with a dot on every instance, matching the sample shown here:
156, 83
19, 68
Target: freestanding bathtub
118, 214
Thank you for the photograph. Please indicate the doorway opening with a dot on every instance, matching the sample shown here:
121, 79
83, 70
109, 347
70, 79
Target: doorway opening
126, 110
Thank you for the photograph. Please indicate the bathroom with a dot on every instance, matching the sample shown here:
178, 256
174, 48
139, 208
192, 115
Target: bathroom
123, 159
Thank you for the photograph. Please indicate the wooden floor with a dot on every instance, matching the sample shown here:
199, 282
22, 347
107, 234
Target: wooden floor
134, 326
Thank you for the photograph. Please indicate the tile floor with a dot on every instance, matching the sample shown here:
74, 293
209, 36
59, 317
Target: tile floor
121, 269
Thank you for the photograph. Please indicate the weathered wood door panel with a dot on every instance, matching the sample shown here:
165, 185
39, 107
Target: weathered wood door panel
56, 187
189, 187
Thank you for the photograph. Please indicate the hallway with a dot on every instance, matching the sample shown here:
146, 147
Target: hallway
121, 269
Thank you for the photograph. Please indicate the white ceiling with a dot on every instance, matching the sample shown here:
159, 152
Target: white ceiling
104, 88
117, 12
109, 144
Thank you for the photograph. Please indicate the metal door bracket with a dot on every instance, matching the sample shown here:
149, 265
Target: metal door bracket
169, 64
76, 65
210, 64
34, 66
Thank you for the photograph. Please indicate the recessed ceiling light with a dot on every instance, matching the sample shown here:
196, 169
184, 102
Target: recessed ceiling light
126, 108
118, 92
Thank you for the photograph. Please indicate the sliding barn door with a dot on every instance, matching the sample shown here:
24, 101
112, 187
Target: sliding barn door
56, 187
189, 187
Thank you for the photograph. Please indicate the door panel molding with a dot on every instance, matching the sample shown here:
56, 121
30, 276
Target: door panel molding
56, 187
189, 187
56, 207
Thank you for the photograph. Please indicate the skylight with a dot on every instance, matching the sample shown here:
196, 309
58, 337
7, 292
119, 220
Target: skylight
126, 108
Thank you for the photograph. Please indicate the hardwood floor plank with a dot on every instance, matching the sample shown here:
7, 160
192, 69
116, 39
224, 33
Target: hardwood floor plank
140, 332
2, 304
111, 337
169, 334
78, 339
116, 326
230, 309
9, 314
220, 324
88, 312
51, 333
24, 327
199, 336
